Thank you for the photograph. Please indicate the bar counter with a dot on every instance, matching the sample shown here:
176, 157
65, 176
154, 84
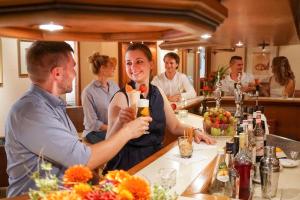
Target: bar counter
282, 113
194, 174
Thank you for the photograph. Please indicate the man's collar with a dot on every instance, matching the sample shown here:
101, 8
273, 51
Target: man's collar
53, 100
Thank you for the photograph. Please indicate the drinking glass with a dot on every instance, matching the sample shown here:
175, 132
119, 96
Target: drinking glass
133, 99
294, 155
185, 146
143, 109
167, 177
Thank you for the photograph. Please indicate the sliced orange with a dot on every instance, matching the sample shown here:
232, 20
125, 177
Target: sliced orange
128, 88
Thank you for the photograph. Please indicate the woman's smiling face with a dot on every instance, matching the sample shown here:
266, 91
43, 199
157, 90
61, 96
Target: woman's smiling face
138, 66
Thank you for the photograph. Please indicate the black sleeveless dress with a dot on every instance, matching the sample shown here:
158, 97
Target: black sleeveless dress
137, 150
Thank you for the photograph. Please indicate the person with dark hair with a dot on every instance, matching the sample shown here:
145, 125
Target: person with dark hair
96, 97
138, 60
38, 129
174, 84
237, 67
282, 82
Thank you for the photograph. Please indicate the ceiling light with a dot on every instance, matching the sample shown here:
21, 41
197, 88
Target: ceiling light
239, 44
206, 36
176, 50
51, 27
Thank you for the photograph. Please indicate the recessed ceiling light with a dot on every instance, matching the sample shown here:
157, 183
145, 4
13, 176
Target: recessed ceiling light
206, 36
239, 44
51, 27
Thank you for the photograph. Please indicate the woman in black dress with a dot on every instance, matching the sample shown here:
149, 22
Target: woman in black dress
138, 60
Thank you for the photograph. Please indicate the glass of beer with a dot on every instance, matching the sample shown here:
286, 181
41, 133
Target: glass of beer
143, 109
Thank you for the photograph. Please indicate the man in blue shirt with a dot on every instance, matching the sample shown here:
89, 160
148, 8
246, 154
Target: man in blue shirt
38, 126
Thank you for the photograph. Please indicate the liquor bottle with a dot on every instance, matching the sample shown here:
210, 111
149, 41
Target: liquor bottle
259, 140
221, 184
243, 164
234, 176
252, 141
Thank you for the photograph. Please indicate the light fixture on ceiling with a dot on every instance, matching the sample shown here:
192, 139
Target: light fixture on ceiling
51, 27
175, 50
239, 44
263, 45
206, 36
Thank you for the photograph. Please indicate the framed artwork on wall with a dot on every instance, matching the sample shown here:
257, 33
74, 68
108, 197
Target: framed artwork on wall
23, 46
259, 62
1, 65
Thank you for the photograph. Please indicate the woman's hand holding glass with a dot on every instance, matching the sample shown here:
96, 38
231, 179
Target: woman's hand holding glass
126, 115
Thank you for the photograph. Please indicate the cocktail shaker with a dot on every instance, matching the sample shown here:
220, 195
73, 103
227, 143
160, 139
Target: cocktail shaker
269, 172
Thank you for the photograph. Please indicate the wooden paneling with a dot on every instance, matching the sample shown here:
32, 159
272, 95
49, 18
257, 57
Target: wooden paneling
114, 20
76, 115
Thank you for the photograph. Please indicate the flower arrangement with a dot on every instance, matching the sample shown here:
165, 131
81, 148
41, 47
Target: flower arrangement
207, 85
218, 122
76, 185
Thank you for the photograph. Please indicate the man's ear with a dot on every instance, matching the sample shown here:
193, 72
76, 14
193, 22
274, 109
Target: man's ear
56, 72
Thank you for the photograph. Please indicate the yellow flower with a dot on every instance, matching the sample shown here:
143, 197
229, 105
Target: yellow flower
62, 195
117, 175
77, 174
125, 194
82, 189
137, 186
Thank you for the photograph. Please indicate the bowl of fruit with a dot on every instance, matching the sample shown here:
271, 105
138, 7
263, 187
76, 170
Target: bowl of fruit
219, 122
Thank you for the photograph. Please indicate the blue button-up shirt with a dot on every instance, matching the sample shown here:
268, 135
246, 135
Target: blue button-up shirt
38, 126
95, 101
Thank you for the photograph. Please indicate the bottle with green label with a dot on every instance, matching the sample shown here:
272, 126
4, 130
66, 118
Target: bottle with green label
221, 184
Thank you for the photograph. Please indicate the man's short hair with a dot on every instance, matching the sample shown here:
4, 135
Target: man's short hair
43, 56
174, 56
233, 58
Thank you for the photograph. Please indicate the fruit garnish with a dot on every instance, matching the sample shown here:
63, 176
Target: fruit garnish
128, 88
143, 88
278, 149
173, 105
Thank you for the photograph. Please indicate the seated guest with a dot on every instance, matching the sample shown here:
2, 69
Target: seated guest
96, 97
138, 59
174, 84
282, 82
247, 80
37, 125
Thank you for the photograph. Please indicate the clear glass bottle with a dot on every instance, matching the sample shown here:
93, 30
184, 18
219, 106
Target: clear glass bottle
243, 164
259, 140
234, 176
221, 184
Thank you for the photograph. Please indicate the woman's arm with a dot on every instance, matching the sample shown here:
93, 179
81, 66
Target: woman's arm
290, 88
118, 114
177, 128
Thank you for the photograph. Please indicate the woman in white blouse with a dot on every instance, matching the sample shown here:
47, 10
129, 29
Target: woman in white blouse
282, 83
174, 84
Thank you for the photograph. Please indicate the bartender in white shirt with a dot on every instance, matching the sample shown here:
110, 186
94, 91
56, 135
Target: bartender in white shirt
175, 84
247, 80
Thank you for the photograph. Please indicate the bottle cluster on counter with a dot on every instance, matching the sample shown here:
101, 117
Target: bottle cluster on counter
243, 155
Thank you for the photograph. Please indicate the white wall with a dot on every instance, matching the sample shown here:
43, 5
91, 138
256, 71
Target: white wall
292, 52
13, 86
220, 59
86, 49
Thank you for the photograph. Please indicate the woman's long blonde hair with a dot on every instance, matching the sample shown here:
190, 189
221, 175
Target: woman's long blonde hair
282, 70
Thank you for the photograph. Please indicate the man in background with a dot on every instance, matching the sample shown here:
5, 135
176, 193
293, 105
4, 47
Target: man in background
237, 67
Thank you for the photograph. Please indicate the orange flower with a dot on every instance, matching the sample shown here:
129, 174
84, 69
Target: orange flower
117, 175
137, 186
77, 174
63, 195
82, 189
